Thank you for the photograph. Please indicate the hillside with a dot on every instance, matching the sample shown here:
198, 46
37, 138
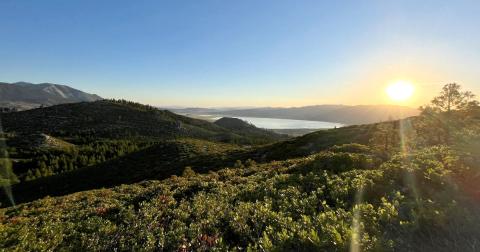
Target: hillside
234, 124
350, 115
156, 160
162, 159
66, 148
119, 119
24, 95
329, 201
319, 141
241, 127
40, 141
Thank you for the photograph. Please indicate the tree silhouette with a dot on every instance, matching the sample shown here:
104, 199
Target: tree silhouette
441, 121
452, 98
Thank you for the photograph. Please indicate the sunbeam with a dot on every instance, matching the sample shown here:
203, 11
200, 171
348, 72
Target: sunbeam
356, 236
6, 173
406, 131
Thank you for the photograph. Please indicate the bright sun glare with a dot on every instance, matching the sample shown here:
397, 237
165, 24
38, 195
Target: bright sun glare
400, 90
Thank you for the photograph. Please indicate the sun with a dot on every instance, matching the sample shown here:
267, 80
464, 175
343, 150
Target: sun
400, 90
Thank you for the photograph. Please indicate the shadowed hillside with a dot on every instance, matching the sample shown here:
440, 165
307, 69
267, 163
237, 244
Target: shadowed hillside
158, 161
244, 128
120, 119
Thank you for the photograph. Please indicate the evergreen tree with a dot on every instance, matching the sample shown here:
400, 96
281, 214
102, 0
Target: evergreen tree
386, 137
452, 98
448, 114
38, 174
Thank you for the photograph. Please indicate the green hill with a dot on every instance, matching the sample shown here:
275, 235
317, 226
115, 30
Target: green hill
234, 124
244, 128
318, 141
154, 161
159, 160
118, 119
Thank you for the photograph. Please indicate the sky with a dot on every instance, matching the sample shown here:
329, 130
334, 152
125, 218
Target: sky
242, 53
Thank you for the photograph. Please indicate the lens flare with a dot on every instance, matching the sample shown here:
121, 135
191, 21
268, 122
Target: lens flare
406, 134
7, 177
356, 236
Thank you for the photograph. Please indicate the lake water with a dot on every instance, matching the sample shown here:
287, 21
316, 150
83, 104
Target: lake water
274, 123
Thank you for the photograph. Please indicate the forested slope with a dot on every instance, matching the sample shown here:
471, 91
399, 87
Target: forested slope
121, 119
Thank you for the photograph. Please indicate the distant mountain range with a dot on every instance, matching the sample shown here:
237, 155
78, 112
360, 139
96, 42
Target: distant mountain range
360, 114
24, 95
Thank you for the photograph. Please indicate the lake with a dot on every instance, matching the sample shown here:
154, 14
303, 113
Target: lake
274, 123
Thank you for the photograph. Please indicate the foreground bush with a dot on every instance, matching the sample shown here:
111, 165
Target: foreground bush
328, 202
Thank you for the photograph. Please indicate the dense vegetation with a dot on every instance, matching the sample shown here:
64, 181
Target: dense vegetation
158, 161
43, 162
409, 185
327, 201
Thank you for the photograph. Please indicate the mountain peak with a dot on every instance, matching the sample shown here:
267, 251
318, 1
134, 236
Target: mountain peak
25, 95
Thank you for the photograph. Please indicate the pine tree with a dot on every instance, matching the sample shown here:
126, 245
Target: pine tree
386, 137
441, 121
38, 174
452, 98
29, 176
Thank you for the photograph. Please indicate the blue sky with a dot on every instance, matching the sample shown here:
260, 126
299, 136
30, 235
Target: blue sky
242, 53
